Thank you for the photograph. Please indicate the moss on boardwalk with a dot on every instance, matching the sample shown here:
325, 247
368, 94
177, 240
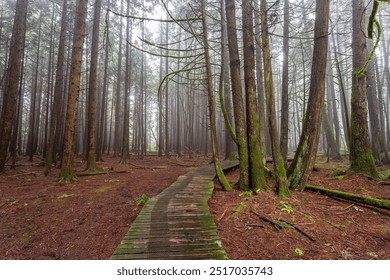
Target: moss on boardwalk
177, 223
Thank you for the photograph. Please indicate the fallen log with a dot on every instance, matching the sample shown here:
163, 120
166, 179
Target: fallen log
99, 173
351, 197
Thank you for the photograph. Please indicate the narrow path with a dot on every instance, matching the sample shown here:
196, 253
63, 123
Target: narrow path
177, 223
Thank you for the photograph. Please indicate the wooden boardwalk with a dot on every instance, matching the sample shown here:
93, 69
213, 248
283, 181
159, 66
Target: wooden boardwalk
177, 223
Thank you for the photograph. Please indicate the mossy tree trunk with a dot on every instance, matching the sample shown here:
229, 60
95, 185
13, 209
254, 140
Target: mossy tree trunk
238, 105
303, 162
362, 160
278, 161
260, 81
67, 170
227, 95
256, 163
211, 103
12, 79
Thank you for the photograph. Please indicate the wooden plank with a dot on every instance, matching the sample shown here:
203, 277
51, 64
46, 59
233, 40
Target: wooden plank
177, 223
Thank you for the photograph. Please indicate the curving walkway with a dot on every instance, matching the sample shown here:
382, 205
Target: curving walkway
177, 223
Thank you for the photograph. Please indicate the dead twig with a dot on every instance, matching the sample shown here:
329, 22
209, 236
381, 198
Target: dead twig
254, 225
298, 229
275, 224
222, 216
236, 228
278, 225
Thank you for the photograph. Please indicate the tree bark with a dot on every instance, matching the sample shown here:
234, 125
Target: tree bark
227, 95
12, 80
92, 91
303, 162
211, 102
256, 157
285, 98
126, 109
278, 161
361, 157
238, 104
67, 171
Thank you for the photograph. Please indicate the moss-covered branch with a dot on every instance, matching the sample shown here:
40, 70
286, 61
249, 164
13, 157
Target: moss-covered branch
350, 196
173, 20
372, 21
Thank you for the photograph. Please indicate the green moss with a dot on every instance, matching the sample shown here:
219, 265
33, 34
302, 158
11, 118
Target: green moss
283, 189
222, 178
384, 175
363, 162
237, 211
286, 207
67, 175
102, 190
352, 197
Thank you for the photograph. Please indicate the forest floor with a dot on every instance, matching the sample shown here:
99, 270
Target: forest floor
338, 229
41, 218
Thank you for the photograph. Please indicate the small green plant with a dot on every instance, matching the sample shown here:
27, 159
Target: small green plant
299, 252
239, 209
247, 193
281, 224
328, 244
102, 190
286, 207
384, 175
142, 200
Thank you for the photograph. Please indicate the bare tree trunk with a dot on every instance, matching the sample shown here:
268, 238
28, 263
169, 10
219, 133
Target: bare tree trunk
58, 88
126, 110
67, 171
225, 89
238, 106
160, 105
12, 80
285, 97
260, 81
117, 135
92, 94
362, 160
256, 157
217, 165
302, 165
344, 105
378, 145
32, 135
167, 143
